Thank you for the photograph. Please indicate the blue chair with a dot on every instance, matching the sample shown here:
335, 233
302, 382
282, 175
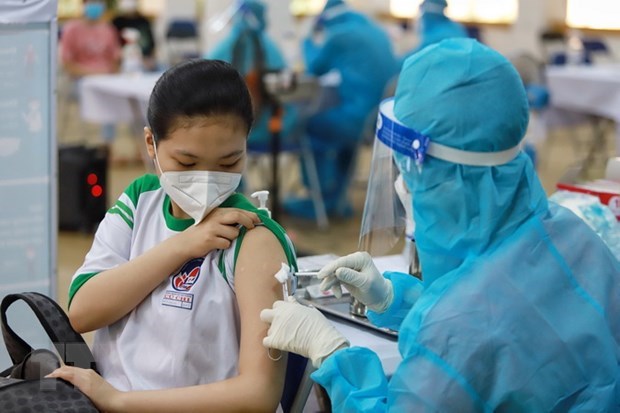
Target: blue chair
182, 32
297, 384
182, 29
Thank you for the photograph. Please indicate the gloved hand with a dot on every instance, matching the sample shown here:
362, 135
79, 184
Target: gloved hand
358, 273
302, 330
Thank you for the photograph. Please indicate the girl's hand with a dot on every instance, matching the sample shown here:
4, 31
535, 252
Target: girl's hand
216, 231
105, 397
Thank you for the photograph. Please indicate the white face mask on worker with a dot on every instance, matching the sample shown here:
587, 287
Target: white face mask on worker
197, 192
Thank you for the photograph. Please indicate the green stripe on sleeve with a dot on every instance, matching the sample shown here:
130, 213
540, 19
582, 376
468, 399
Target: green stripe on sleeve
115, 210
124, 208
79, 281
241, 202
145, 183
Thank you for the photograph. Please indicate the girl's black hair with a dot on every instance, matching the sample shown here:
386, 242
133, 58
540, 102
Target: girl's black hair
198, 88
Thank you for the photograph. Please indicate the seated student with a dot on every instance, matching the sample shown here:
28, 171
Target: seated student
181, 265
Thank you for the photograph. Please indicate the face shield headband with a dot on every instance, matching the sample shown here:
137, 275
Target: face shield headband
417, 146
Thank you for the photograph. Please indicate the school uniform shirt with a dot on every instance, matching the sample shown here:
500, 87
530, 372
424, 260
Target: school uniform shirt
186, 332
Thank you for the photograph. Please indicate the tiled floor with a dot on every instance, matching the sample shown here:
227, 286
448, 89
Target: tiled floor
555, 156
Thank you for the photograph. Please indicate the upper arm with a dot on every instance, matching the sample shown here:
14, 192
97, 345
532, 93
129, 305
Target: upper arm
260, 257
322, 60
111, 248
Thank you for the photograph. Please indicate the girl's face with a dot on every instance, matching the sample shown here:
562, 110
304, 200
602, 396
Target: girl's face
201, 143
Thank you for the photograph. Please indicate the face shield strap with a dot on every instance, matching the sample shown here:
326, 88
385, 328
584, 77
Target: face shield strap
417, 146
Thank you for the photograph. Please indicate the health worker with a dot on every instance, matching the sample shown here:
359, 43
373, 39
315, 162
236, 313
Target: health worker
518, 308
359, 50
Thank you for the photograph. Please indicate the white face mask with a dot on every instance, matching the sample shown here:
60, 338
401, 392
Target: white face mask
197, 192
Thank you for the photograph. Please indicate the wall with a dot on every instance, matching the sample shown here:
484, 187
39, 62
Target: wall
534, 17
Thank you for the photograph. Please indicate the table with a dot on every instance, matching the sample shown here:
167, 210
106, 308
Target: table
119, 98
111, 98
592, 90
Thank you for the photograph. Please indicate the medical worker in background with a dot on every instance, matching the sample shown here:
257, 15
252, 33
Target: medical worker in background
239, 48
518, 308
434, 26
350, 43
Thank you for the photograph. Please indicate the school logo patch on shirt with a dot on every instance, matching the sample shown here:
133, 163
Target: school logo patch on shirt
181, 282
187, 275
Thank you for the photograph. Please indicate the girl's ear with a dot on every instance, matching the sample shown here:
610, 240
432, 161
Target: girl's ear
149, 141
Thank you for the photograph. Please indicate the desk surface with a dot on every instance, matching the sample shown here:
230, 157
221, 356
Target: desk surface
589, 89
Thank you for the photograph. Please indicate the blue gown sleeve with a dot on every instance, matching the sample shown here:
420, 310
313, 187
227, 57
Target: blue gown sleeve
407, 290
318, 58
354, 380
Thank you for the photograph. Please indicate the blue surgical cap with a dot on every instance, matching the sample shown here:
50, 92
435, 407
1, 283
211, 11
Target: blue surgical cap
463, 94
332, 3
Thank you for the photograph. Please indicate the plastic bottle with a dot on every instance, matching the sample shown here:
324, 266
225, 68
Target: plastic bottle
262, 196
132, 54
575, 53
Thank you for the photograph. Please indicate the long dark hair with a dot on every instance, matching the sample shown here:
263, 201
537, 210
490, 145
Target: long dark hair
198, 88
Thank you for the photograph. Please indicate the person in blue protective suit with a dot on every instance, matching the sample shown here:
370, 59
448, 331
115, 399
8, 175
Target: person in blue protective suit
434, 26
518, 308
361, 52
240, 49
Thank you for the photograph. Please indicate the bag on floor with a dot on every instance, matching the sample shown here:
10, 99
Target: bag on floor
23, 387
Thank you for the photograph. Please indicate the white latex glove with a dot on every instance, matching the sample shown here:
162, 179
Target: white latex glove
302, 330
359, 274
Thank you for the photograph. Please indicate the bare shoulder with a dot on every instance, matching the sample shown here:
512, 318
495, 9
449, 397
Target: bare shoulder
261, 252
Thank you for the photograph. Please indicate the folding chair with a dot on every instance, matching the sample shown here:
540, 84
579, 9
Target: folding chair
297, 384
182, 41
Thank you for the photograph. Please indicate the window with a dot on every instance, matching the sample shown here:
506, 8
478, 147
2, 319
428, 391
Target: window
306, 7
475, 11
593, 14
69, 8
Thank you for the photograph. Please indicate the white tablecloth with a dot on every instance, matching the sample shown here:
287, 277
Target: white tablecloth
109, 98
593, 90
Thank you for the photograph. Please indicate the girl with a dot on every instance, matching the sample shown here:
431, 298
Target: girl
170, 288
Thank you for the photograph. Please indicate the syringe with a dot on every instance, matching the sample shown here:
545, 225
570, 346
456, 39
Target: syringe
283, 275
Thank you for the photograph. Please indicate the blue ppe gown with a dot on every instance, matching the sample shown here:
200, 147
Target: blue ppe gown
434, 27
519, 307
361, 52
273, 61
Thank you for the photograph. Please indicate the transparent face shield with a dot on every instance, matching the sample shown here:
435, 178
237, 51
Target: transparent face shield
384, 218
399, 149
